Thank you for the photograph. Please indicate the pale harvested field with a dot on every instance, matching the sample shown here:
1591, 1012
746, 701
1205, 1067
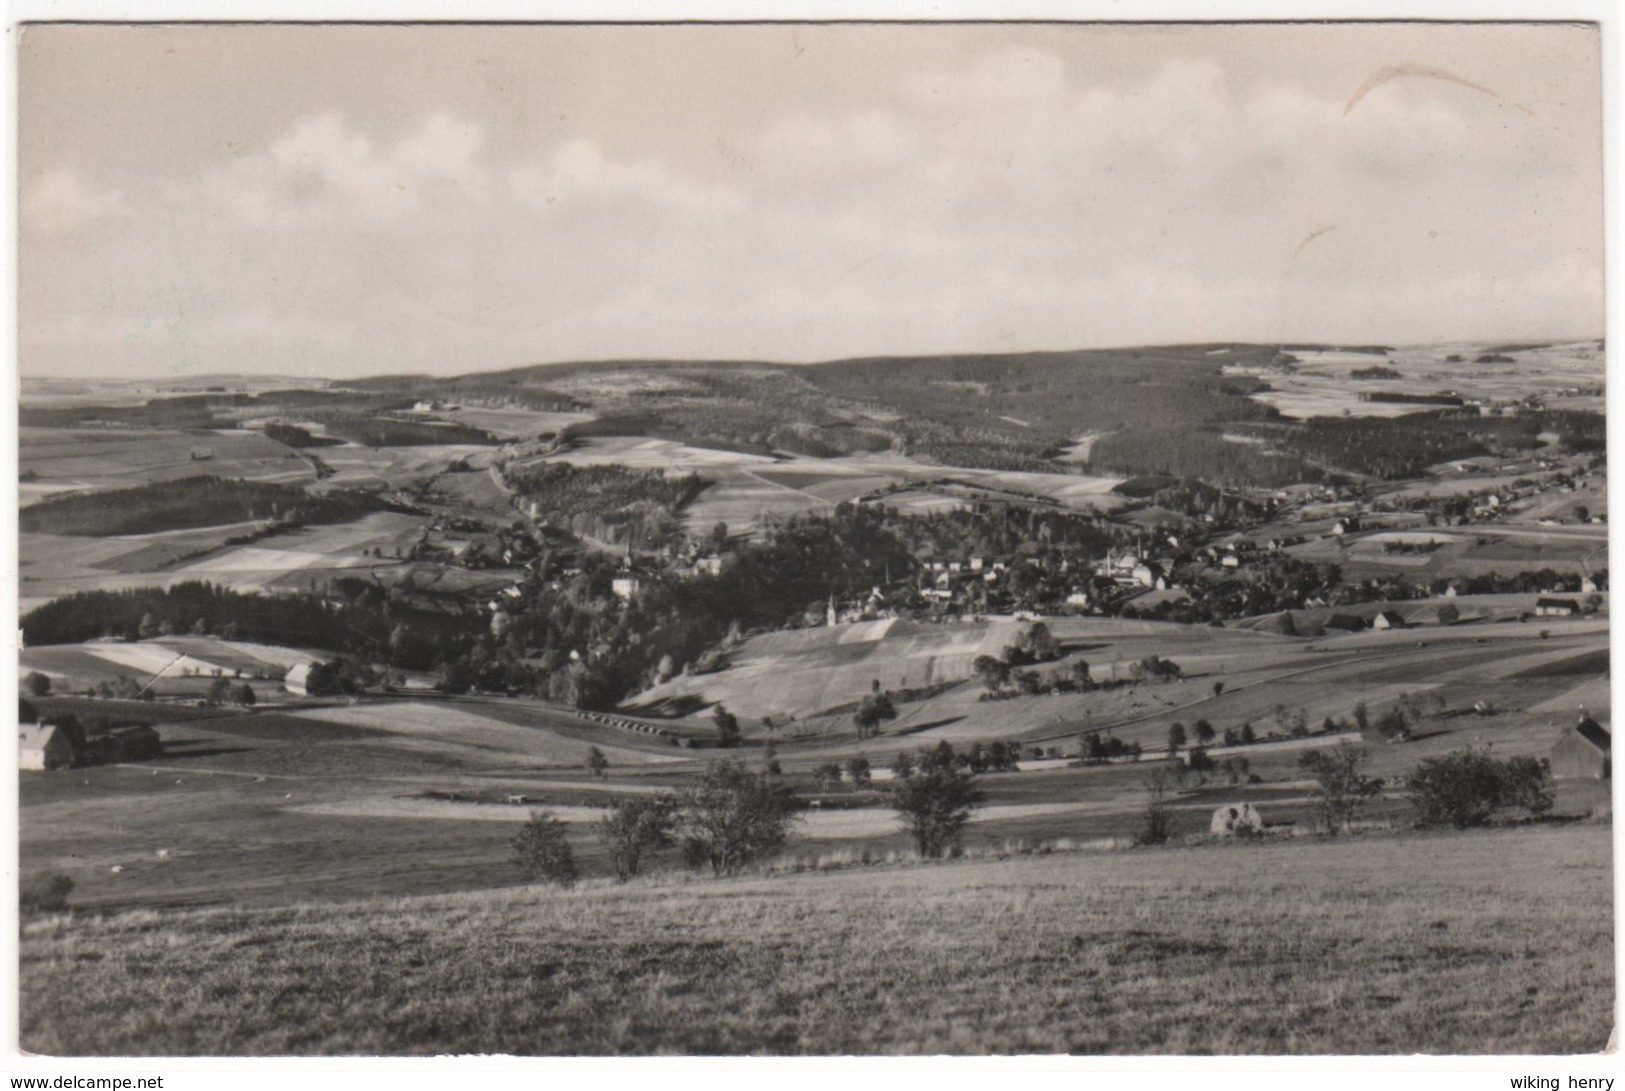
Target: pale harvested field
861, 824
644, 453
52, 566
1546, 371
1493, 942
76, 666
244, 560
1304, 398
745, 501
514, 423
395, 466
334, 546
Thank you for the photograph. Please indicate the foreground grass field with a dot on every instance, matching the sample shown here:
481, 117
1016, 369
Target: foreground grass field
1491, 942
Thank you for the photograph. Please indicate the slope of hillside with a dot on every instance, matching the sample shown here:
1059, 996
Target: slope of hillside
1243, 949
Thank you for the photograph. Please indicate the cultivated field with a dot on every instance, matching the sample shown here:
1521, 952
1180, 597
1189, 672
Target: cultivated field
1492, 942
1467, 551
55, 460
1565, 375
75, 667
396, 467
520, 424
779, 681
53, 566
748, 491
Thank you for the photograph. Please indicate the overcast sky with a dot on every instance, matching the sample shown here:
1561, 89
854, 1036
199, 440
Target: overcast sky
334, 201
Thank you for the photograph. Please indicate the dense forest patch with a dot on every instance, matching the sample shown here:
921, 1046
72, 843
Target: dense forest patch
610, 503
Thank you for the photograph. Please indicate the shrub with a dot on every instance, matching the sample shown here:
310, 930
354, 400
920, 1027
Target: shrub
827, 776
935, 801
542, 851
1467, 787
38, 683
47, 893
732, 817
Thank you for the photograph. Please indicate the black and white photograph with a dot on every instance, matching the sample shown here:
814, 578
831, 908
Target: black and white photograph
780, 538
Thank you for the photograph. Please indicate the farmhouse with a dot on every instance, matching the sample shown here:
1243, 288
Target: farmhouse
1552, 607
1348, 623
1388, 619
624, 587
49, 745
1584, 750
297, 680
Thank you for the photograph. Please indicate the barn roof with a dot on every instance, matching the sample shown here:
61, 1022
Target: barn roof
1594, 733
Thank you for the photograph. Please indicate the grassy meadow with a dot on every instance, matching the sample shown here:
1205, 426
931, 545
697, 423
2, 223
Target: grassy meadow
1498, 941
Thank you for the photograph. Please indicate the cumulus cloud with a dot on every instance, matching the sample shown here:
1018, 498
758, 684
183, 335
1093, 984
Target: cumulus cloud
1012, 200
60, 200
578, 172
323, 171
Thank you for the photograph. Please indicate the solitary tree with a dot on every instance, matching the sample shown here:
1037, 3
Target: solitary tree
597, 764
219, 692
245, 696
727, 727
857, 771
902, 766
1201, 763
39, 683
1158, 817
934, 802
992, 673
873, 710
1341, 788
732, 817
542, 851
1176, 737
636, 826
1204, 733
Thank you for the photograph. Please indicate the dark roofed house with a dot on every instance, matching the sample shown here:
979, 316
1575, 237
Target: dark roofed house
1348, 623
1552, 607
1388, 619
1584, 750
